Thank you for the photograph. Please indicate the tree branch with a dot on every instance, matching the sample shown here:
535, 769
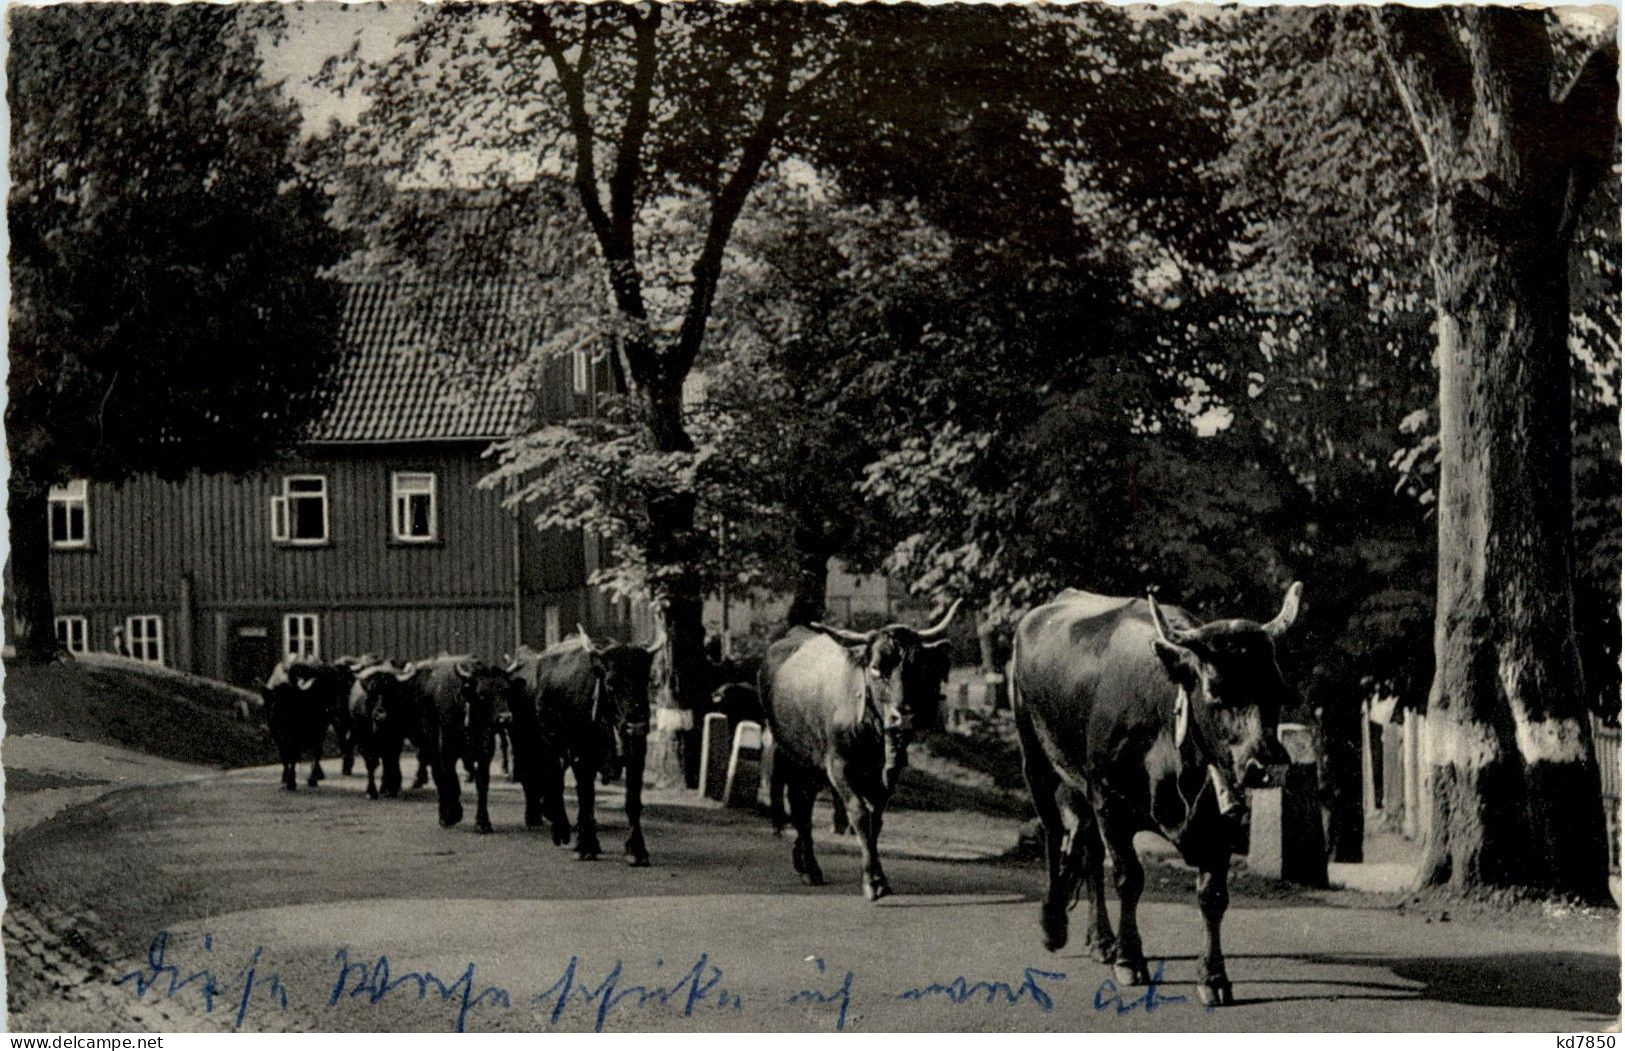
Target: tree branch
1431, 76
573, 82
730, 199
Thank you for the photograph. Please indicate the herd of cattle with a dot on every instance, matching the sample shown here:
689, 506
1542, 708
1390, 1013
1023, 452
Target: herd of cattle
1131, 717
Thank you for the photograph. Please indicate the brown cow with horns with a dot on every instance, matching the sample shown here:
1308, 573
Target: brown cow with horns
1135, 718
843, 707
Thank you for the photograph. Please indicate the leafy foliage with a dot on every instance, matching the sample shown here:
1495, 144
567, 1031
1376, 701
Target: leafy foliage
168, 310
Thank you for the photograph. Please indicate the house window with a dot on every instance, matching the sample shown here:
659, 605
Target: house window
414, 506
301, 636
299, 514
144, 637
550, 626
70, 514
73, 634
581, 371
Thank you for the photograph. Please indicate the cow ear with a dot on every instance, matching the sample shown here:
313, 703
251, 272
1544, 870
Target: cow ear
1182, 665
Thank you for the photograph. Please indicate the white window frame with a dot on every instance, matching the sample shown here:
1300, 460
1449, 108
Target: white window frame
552, 631
75, 625
133, 639
400, 505
581, 372
282, 511
302, 636
76, 492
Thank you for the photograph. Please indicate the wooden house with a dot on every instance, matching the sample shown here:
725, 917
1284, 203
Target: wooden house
374, 536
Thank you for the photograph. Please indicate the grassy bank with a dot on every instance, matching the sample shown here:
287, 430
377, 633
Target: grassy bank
115, 701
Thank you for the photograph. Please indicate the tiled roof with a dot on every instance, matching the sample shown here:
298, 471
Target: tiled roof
427, 364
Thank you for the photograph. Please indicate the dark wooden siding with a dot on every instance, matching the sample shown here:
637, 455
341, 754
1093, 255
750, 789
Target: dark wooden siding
462, 593
146, 534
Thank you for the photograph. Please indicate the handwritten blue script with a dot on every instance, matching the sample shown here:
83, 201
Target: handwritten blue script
164, 978
193, 971
701, 985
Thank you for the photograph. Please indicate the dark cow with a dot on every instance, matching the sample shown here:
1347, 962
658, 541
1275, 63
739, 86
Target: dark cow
843, 707
585, 707
302, 698
1135, 718
447, 708
342, 727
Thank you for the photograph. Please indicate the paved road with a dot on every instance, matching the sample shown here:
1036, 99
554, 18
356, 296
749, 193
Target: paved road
717, 934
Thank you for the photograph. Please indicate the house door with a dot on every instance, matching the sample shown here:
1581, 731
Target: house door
252, 653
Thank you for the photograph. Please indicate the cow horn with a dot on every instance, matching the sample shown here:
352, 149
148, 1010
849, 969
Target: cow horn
586, 640
1289, 612
940, 628
1165, 632
407, 672
842, 634
465, 669
304, 682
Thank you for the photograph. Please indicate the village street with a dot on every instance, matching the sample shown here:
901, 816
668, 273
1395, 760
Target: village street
291, 904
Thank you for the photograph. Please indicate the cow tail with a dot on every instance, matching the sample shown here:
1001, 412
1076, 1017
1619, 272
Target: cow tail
1010, 673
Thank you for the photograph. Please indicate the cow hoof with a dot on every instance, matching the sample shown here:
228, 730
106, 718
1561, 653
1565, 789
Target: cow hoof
638, 861
347, 769
586, 855
1131, 973
561, 835
1104, 951
876, 891
813, 878
483, 828
1215, 992
372, 793
1054, 925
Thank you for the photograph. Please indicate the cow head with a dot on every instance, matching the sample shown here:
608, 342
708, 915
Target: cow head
374, 698
904, 669
1233, 686
485, 692
622, 674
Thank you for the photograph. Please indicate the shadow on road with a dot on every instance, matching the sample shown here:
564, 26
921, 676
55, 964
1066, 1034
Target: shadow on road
1556, 981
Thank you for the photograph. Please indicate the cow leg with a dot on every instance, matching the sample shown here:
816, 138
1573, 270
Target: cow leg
637, 853
552, 798
804, 790
775, 799
482, 786
290, 776
1212, 896
448, 787
1129, 876
1083, 856
371, 761
587, 848
869, 816
1047, 793
422, 777
840, 823
346, 752
316, 774
392, 769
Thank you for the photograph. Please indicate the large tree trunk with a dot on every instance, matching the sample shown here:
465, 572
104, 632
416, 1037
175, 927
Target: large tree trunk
33, 620
1516, 799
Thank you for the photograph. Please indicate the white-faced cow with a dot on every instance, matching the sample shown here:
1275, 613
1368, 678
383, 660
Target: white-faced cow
302, 699
843, 706
585, 707
447, 707
1135, 718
